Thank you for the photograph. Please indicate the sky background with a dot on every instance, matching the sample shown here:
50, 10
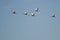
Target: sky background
20, 27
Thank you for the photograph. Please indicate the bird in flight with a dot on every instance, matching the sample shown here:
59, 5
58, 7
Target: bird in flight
53, 15
25, 13
37, 9
33, 14
13, 12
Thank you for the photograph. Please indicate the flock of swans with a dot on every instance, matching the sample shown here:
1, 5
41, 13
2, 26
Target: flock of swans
33, 14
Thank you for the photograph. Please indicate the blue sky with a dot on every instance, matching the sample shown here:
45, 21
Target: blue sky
20, 27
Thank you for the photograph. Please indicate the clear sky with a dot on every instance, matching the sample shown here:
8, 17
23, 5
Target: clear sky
20, 27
